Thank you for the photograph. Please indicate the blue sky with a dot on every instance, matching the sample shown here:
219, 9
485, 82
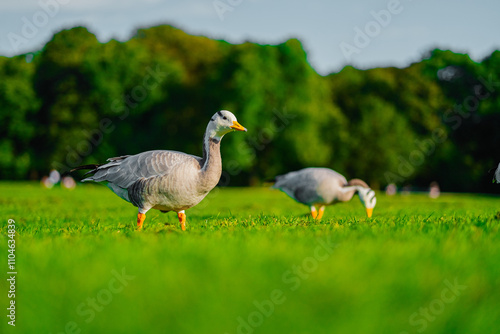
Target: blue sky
334, 33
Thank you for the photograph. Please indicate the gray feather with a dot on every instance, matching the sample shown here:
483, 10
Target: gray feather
125, 171
306, 185
497, 174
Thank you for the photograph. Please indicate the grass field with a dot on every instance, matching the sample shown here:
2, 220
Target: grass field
251, 261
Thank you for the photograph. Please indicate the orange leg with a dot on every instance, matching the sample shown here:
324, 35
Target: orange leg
314, 213
320, 213
182, 219
140, 219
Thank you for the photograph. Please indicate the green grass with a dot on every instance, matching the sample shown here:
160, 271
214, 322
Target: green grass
387, 274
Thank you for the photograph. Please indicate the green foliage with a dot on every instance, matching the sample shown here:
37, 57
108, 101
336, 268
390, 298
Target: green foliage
470, 117
241, 245
387, 111
80, 101
18, 108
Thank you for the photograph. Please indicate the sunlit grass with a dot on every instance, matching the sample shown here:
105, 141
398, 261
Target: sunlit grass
244, 248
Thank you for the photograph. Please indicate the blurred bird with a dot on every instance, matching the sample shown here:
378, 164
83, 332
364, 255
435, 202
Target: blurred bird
167, 180
496, 178
318, 187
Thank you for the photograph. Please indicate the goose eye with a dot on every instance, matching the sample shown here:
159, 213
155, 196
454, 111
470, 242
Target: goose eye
224, 118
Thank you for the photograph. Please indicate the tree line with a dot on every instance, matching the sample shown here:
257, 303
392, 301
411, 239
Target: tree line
79, 101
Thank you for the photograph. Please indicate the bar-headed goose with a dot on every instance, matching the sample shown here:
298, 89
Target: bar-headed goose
167, 180
318, 187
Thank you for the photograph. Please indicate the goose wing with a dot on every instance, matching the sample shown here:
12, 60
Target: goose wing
304, 185
126, 170
300, 185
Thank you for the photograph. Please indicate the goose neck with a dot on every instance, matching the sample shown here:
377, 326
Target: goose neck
347, 193
211, 165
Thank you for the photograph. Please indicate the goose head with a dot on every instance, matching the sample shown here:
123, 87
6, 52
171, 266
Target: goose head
368, 199
366, 195
223, 122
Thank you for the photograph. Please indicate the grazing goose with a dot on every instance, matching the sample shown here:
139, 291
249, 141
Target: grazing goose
167, 180
318, 187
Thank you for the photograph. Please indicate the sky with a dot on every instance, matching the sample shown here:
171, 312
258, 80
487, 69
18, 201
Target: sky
362, 33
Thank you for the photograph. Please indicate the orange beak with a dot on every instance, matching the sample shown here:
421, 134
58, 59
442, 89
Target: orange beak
369, 212
237, 126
